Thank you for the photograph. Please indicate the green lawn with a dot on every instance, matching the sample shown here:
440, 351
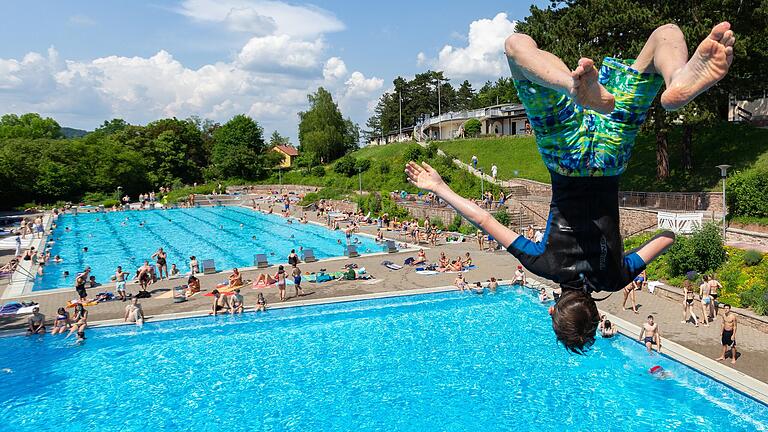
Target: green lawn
726, 143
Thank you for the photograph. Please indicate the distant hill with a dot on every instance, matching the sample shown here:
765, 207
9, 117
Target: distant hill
73, 133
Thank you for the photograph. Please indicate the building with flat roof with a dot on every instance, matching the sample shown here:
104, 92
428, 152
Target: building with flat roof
496, 120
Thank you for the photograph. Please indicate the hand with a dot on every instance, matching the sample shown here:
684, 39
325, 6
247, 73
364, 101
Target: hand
423, 176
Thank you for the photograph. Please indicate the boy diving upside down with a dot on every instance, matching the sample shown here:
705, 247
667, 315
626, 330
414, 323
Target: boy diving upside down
585, 123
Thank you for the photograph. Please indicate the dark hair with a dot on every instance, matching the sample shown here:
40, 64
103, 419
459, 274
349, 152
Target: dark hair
575, 319
607, 324
214, 292
725, 305
649, 316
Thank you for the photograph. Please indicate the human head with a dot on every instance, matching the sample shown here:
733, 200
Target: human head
280, 267
493, 279
135, 301
215, 293
478, 284
607, 324
35, 309
726, 308
519, 267
237, 290
574, 320
650, 319
293, 250
61, 311
119, 268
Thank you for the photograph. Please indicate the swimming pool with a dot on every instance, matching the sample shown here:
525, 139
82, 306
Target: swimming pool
231, 236
435, 362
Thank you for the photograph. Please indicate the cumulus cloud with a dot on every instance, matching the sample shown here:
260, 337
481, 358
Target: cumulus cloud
278, 52
482, 58
358, 86
263, 17
334, 69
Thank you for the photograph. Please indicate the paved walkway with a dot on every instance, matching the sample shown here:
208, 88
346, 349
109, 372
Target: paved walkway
753, 345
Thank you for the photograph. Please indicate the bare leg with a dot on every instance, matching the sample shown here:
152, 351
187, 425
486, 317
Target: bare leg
667, 54
527, 61
733, 355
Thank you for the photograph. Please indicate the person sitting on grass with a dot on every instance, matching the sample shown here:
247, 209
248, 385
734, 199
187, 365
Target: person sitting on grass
585, 122
235, 279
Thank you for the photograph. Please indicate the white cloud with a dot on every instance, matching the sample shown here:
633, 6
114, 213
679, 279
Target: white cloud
421, 59
483, 57
334, 69
358, 86
263, 17
81, 20
280, 52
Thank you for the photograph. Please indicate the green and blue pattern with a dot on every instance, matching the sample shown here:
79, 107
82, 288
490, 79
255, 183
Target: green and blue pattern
578, 142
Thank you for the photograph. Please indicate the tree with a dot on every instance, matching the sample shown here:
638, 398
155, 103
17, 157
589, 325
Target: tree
323, 132
113, 126
237, 149
30, 125
465, 96
472, 127
276, 139
620, 28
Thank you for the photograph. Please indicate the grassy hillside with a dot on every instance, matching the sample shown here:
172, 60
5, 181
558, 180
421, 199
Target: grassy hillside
385, 174
733, 144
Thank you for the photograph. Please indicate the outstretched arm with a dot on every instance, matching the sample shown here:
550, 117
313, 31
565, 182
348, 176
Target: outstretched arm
649, 251
425, 177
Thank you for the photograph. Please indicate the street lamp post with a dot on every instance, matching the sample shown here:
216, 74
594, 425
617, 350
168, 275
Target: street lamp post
482, 183
439, 108
280, 178
360, 179
723, 175
119, 193
400, 97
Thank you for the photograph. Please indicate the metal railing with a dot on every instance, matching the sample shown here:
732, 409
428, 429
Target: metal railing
685, 201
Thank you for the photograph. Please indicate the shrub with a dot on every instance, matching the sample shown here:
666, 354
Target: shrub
502, 217
455, 224
362, 165
756, 298
317, 171
472, 127
748, 193
110, 203
413, 153
752, 257
701, 252
384, 168
431, 150
346, 166
437, 223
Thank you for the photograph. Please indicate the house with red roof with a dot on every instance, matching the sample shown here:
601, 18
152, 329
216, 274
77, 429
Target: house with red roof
289, 153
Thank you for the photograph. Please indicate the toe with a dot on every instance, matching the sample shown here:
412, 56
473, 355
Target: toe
719, 30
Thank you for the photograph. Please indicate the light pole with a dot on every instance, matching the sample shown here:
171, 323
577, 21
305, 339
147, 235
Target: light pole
280, 178
400, 97
119, 193
724, 174
360, 179
482, 183
439, 108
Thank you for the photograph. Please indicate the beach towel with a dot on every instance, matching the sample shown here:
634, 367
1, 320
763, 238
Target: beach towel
10, 308
427, 272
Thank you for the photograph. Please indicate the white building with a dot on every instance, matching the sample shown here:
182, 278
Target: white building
752, 108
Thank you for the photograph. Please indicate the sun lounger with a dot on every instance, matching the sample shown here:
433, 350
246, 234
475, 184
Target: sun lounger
209, 266
351, 251
260, 261
308, 256
391, 246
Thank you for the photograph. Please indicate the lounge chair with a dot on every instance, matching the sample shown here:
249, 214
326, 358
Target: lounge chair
308, 256
209, 266
260, 261
351, 251
391, 246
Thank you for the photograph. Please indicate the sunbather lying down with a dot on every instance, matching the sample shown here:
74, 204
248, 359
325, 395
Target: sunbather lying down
585, 123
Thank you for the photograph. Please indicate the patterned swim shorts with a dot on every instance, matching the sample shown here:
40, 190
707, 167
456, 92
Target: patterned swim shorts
578, 142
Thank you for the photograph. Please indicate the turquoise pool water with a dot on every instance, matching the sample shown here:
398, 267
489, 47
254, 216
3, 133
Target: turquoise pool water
119, 238
437, 362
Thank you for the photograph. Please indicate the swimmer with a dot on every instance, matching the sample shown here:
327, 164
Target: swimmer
241, 226
493, 285
562, 105
659, 372
478, 288
543, 295
85, 249
607, 330
650, 334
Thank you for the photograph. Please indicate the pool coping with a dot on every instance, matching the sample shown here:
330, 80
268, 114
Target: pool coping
717, 371
23, 289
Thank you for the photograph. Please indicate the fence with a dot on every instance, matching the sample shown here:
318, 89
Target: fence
681, 201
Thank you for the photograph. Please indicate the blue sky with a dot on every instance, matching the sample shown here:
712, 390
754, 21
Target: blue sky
86, 61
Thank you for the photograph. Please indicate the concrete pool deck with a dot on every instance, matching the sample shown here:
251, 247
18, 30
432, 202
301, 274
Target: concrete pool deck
753, 344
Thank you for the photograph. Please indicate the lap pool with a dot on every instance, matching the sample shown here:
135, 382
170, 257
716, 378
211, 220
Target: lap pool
435, 362
231, 236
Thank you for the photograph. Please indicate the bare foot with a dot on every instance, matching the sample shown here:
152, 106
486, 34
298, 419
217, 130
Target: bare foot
720, 358
587, 92
707, 66
733, 361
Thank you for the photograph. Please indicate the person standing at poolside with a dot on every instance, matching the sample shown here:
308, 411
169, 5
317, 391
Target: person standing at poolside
629, 293
480, 238
296, 273
714, 286
650, 334
120, 283
194, 266
293, 259
80, 281
688, 297
162, 264
18, 246
281, 282
706, 300
728, 334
